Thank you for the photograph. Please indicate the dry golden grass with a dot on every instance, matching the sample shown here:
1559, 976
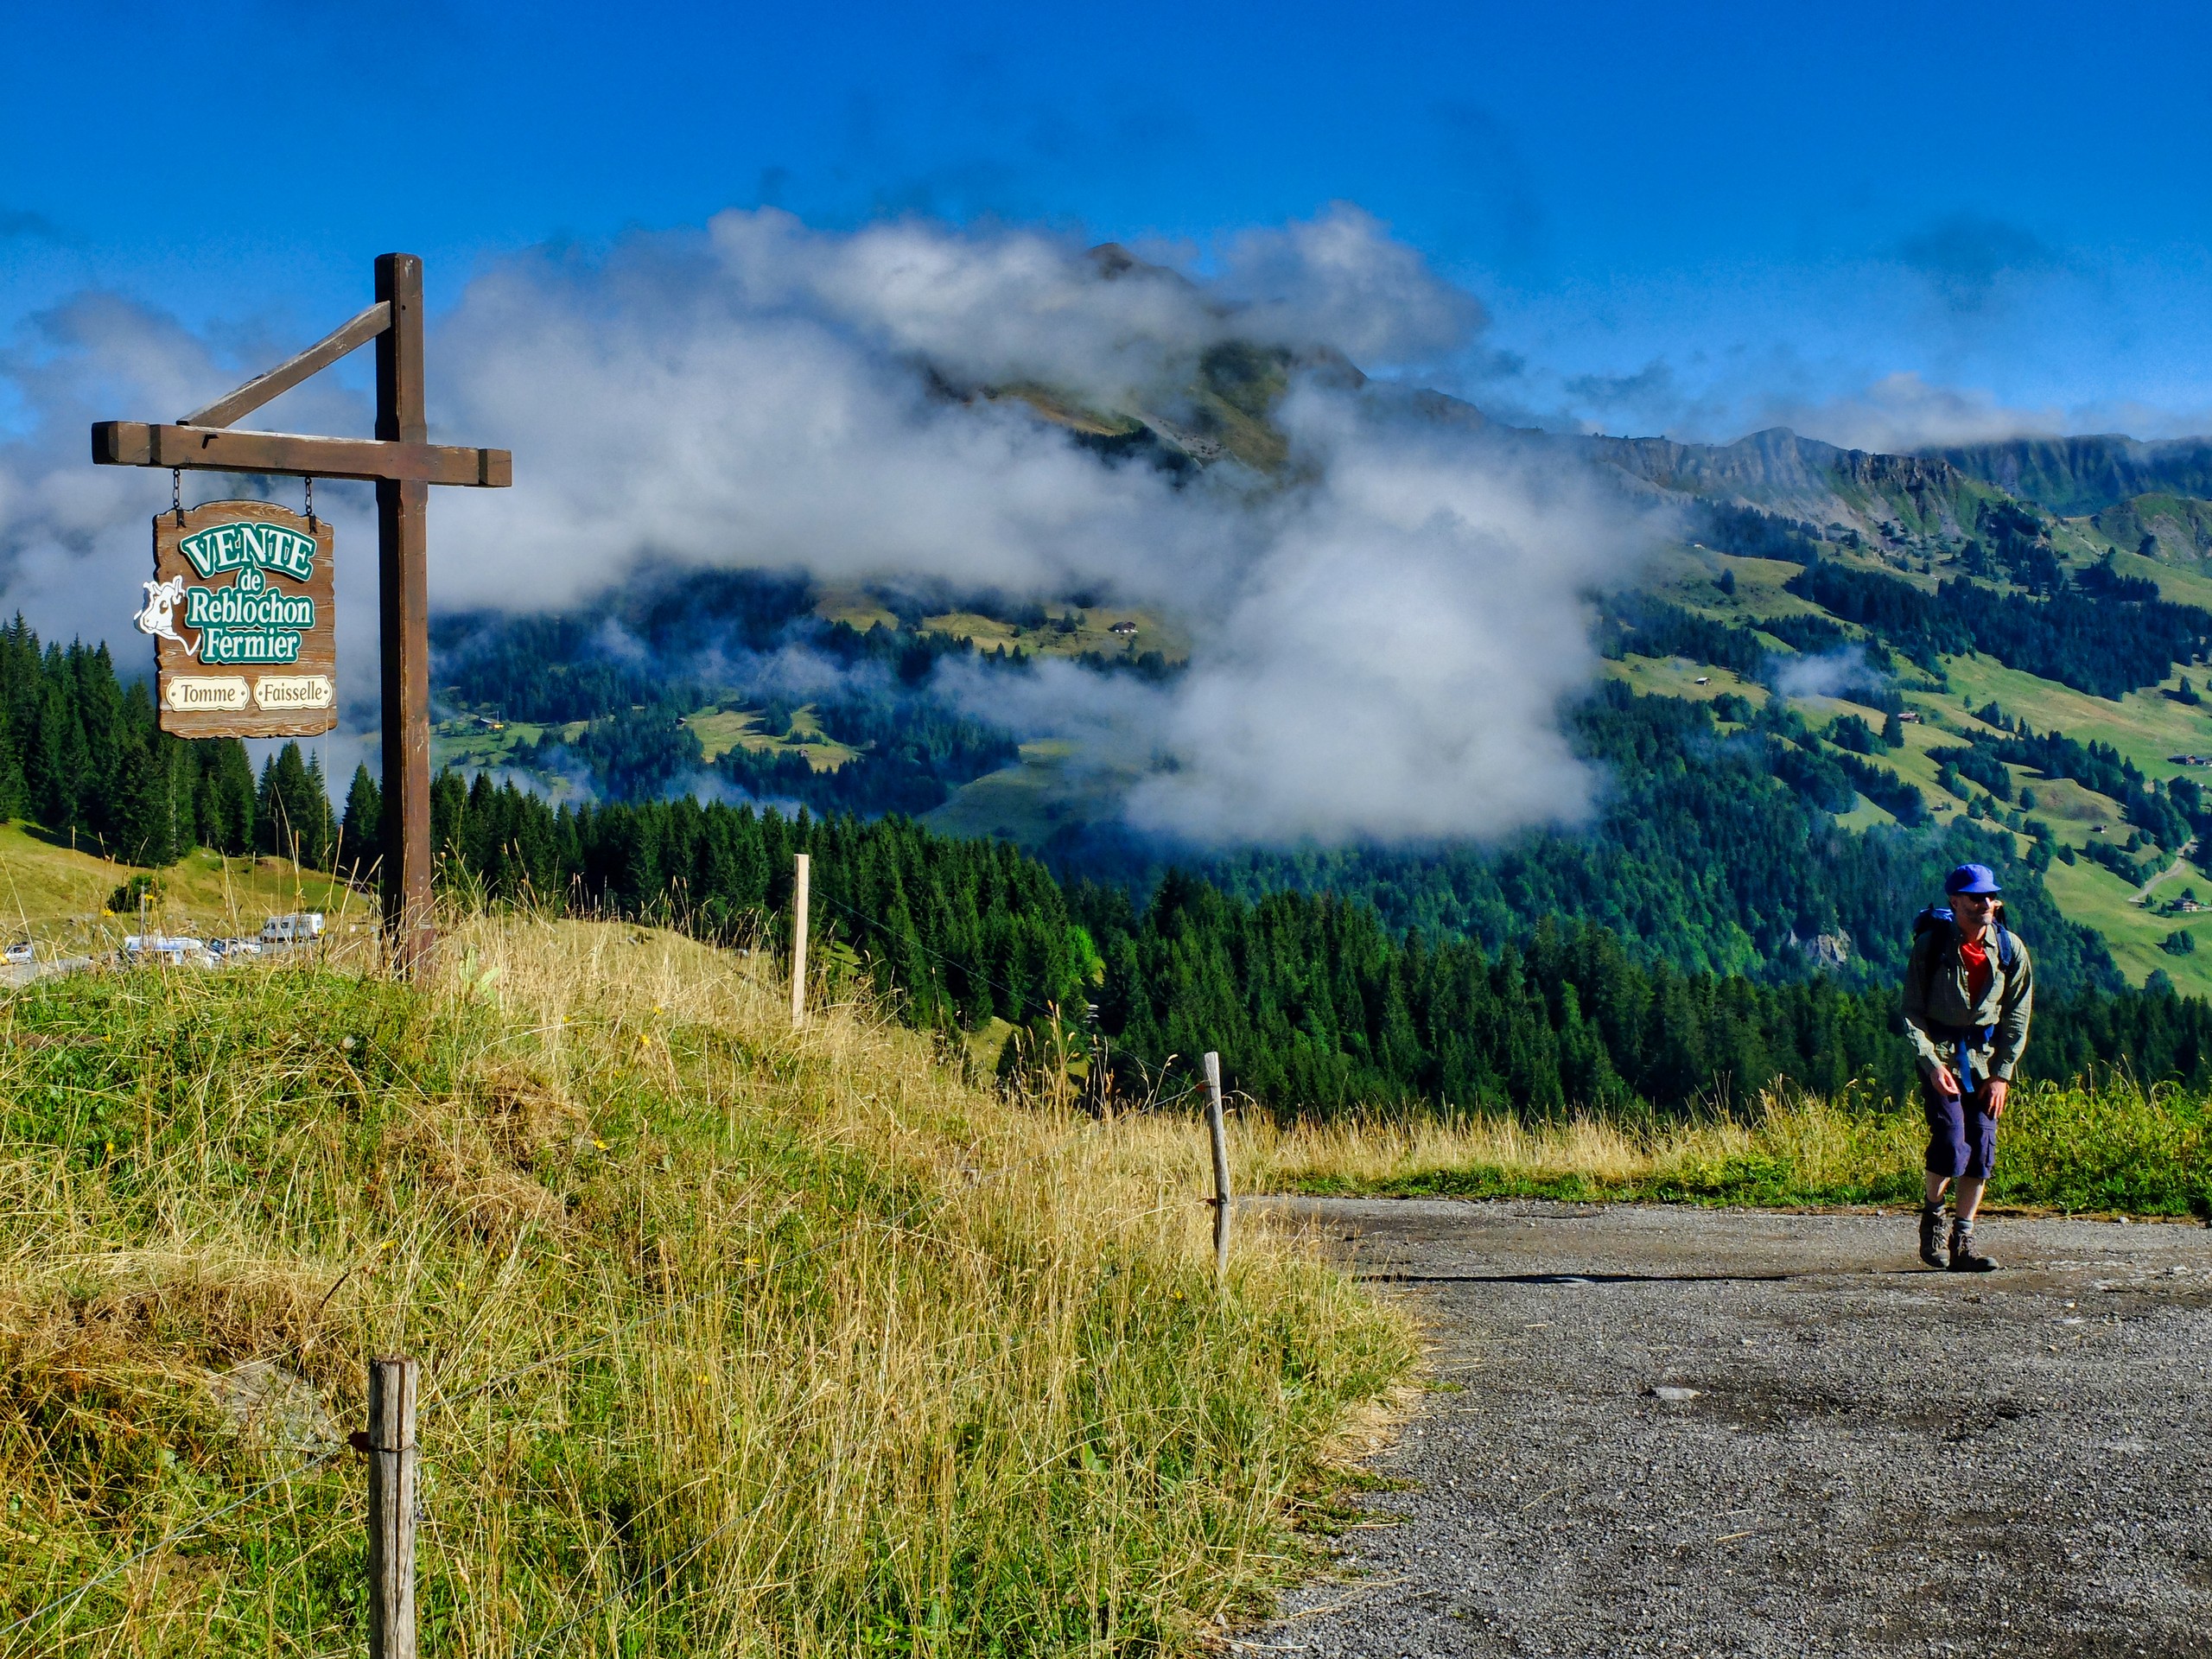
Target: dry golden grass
2110, 1146
735, 1340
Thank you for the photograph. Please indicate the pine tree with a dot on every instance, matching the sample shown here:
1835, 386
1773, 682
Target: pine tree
364, 823
292, 816
146, 805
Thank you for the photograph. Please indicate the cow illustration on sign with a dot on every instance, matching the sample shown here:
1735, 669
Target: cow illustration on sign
159, 618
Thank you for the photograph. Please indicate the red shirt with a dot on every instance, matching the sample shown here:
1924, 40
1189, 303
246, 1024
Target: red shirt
1975, 955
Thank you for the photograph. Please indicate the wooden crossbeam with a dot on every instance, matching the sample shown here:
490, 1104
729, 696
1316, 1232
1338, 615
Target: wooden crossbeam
288, 373
213, 449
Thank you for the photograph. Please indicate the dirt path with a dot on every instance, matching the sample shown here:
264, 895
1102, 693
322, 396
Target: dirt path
2180, 863
1856, 1455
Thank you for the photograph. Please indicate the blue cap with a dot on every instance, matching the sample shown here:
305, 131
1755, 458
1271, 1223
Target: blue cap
1971, 878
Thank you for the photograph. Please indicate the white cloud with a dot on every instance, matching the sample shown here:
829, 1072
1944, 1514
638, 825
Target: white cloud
1383, 642
76, 539
1339, 279
1902, 412
1394, 665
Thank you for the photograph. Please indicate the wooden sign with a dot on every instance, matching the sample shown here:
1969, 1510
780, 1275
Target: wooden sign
243, 627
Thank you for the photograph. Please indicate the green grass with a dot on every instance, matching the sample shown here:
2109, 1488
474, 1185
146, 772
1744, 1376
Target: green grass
1027, 802
1863, 816
1093, 633
2089, 893
855, 606
2143, 725
734, 1341
58, 896
721, 729
461, 741
1686, 576
2113, 1148
1678, 676
2181, 587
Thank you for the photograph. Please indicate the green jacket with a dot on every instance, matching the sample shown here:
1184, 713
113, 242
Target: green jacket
1936, 1006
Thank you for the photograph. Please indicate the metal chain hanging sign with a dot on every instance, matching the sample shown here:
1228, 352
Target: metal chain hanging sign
239, 606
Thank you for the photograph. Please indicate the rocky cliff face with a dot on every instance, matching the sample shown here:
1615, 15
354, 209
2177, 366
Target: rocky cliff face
2161, 526
1780, 471
1775, 469
2072, 476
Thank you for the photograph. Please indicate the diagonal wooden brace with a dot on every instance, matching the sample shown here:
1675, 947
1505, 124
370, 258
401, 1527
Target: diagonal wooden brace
288, 373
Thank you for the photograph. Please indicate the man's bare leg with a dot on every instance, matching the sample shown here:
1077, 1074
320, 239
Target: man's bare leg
1969, 1199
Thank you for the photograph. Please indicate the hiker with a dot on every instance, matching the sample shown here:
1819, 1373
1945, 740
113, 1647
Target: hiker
1969, 990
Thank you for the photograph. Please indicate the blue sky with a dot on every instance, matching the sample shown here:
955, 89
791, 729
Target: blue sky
1882, 223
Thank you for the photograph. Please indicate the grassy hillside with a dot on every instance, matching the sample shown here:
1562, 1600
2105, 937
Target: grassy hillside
58, 897
723, 727
734, 1341
2146, 727
1092, 634
1025, 803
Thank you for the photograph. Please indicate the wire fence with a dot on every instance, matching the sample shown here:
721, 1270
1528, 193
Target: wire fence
175, 1535
61, 1606
914, 1213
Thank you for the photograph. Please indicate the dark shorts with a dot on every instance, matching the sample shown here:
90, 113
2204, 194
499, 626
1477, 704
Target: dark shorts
1961, 1137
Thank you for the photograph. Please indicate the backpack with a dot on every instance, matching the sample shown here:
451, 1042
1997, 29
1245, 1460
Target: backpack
2008, 949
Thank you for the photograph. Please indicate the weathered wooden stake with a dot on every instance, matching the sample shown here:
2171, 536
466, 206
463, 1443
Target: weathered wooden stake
1222, 1195
798, 940
390, 1447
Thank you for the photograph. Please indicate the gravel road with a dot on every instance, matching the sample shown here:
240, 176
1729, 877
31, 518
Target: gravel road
1675, 1431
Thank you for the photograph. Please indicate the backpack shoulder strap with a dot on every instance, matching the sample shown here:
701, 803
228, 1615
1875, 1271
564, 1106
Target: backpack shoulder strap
1931, 961
2008, 947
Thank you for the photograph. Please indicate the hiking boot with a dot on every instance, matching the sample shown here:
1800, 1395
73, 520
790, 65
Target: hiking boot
1932, 1238
1964, 1257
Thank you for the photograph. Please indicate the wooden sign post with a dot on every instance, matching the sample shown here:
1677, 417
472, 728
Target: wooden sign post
403, 465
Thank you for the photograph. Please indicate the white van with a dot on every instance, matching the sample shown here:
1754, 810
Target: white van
302, 927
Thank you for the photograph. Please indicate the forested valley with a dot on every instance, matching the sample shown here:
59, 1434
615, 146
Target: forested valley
1425, 986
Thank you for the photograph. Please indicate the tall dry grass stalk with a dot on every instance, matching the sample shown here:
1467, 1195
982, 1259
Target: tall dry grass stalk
735, 1340
2111, 1145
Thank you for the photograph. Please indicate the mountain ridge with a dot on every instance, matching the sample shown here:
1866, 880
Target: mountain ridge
2085, 474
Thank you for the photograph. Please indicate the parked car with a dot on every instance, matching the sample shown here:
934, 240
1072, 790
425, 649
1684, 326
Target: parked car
172, 950
302, 927
19, 953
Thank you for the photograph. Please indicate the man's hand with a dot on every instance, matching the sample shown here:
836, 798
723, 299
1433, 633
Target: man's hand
1946, 1084
1997, 1088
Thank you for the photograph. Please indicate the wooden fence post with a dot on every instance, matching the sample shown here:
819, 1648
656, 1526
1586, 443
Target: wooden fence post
391, 1445
1222, 1195
798, 940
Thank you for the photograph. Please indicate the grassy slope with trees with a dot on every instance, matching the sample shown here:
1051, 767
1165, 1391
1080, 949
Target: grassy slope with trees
1324, 1004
